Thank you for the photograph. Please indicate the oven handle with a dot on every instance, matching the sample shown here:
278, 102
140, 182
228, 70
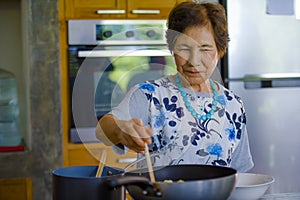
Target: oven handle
116, 53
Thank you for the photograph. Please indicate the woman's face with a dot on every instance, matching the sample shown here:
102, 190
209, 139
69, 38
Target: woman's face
196, 54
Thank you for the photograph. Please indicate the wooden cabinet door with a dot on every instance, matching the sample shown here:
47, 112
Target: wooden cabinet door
95, 9
145, 9
16, 188
154, 9
79, 155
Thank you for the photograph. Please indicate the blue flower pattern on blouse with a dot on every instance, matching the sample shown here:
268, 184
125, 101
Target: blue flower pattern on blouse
147, 86
160, 120
231, 133
176, 130
215, 149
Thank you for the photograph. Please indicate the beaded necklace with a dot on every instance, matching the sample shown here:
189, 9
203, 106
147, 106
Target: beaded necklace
189, 106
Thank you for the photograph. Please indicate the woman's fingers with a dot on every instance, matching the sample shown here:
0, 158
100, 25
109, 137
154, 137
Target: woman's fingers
143, 131
135, 134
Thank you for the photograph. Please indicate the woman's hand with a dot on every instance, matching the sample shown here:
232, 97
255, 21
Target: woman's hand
131, 133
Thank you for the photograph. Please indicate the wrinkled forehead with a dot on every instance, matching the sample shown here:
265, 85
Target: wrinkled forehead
196, 35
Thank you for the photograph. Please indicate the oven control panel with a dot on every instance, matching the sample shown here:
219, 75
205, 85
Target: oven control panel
129, 32
116, 32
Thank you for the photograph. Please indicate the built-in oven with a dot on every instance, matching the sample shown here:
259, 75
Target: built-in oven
105, 59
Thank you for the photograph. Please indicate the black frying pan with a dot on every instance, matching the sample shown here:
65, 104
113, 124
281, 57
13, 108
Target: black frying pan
80, 182
200, 182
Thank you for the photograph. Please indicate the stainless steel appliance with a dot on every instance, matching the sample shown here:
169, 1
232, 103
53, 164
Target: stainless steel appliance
264, 69
106, 58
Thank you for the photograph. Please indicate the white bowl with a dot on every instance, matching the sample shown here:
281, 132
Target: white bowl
251, 186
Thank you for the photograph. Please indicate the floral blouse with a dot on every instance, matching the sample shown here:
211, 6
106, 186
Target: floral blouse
180, 138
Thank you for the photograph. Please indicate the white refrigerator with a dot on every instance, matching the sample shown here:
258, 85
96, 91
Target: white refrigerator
263, 68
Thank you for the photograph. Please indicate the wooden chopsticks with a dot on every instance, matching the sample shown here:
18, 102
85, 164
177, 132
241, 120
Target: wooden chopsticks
149, 164
101, 163
147, 154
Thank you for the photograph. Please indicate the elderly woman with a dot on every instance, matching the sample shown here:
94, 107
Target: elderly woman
187, 117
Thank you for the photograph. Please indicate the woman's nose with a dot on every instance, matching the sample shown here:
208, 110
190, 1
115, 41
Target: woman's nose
195, 58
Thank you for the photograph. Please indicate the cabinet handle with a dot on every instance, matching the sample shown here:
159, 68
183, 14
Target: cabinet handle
146, 12
126, 160
110, 12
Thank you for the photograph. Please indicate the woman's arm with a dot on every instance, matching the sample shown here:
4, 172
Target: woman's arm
123, 124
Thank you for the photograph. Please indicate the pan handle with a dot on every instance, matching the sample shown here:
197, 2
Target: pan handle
144, 183
119, 181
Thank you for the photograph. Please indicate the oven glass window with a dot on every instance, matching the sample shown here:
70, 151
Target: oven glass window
99, 83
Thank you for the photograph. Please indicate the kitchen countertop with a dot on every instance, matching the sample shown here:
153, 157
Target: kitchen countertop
281, 196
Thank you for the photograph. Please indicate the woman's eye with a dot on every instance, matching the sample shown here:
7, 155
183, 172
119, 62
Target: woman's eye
184, 49
205, 49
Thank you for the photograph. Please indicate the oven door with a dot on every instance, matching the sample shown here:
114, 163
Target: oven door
101, 76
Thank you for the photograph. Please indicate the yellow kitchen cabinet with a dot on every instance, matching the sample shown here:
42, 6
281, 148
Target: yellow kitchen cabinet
16, 189
95, 9
89, 154
145, 9
119, 9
